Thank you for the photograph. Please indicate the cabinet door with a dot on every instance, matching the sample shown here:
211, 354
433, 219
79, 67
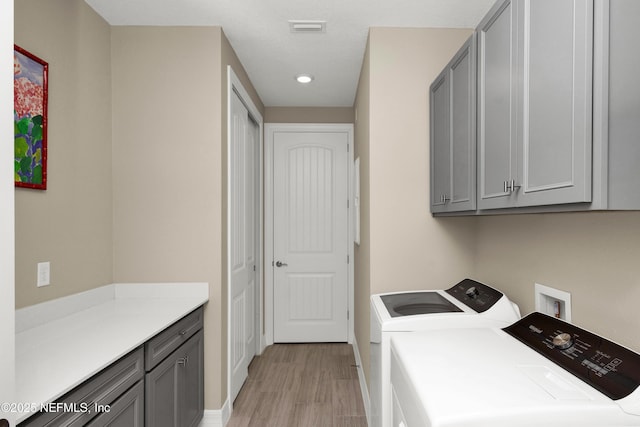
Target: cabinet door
462, 78
622, 105
161, 393
497, 105
555, 44
174, 389
191, 382
440, 144
453, 133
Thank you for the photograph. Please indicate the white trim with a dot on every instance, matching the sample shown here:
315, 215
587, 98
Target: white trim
363, 382
216, 417
7, 221
269, 129
235, 85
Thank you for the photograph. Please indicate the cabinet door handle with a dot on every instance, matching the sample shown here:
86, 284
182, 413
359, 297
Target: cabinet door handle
183, 361
445, 199
512, 186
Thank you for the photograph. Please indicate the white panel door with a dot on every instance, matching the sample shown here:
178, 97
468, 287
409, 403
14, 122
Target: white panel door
310, 236
242, 241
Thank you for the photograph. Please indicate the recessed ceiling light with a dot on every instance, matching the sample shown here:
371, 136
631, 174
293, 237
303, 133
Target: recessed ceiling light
304, 78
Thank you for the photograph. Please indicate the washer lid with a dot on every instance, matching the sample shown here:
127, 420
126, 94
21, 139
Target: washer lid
412, 303
484, 377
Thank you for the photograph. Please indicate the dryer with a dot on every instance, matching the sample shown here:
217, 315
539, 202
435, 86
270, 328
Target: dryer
540, 371
467, 304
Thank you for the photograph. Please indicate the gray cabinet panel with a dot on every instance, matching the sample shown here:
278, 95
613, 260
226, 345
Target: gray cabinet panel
497, 104
556, 44
127, 411
192, 383
535, 103
174, 389
624, 105
440, 144
453, 135
463, 128
101, 389
163, 344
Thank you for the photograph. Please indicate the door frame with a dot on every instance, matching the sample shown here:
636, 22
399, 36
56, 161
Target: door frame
234, 85
269, 130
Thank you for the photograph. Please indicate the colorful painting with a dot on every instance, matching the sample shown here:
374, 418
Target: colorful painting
30, 119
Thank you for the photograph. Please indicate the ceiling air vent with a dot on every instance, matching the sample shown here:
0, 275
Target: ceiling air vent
307, 26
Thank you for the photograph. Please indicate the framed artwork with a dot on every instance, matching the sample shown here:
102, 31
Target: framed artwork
30, 93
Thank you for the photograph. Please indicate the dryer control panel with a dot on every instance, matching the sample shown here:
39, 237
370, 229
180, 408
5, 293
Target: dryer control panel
606, 366
476, 295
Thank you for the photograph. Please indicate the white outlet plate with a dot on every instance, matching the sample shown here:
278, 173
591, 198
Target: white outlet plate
549, 300
44, 274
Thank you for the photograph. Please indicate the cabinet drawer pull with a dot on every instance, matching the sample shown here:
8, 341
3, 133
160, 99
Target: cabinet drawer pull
183, 332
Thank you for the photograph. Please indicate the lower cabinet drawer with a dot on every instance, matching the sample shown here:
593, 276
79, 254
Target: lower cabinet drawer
78, 407
126, 411
167, 341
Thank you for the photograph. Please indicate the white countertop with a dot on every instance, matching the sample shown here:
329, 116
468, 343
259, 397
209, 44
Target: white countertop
61, 343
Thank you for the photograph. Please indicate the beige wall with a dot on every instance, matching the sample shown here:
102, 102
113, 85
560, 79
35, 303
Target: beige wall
309, 115
169, 154
594, 256
69, 224
409, 248
362, 252
406, 248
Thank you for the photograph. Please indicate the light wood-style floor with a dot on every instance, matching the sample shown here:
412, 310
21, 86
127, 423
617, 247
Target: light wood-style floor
295, 385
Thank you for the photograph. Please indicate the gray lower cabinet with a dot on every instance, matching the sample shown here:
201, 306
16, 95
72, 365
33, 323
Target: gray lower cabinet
535, 103
174, 389
453, 133
95, 396
126, 411
159, 384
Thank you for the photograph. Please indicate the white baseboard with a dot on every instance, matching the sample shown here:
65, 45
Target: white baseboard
216, 417
363, 382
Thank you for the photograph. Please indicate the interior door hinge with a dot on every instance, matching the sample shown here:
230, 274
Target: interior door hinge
347, 259
347, 203
347, 314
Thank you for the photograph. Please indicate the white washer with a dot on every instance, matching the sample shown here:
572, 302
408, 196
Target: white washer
540, 371
465, 305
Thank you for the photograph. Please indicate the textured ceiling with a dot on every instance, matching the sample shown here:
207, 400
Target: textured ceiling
272, 56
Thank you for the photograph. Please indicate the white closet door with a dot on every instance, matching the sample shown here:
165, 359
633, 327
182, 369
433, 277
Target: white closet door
310, 236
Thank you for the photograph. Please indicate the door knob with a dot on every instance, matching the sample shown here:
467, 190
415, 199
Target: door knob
280, 264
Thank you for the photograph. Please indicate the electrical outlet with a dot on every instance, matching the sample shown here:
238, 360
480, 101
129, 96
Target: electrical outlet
44, 274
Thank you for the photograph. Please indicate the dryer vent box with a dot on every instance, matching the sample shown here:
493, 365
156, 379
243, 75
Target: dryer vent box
553, 302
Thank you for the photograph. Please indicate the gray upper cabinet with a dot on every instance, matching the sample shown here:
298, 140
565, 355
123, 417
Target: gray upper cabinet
616, 105
497, 105
453, 135
535, 103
